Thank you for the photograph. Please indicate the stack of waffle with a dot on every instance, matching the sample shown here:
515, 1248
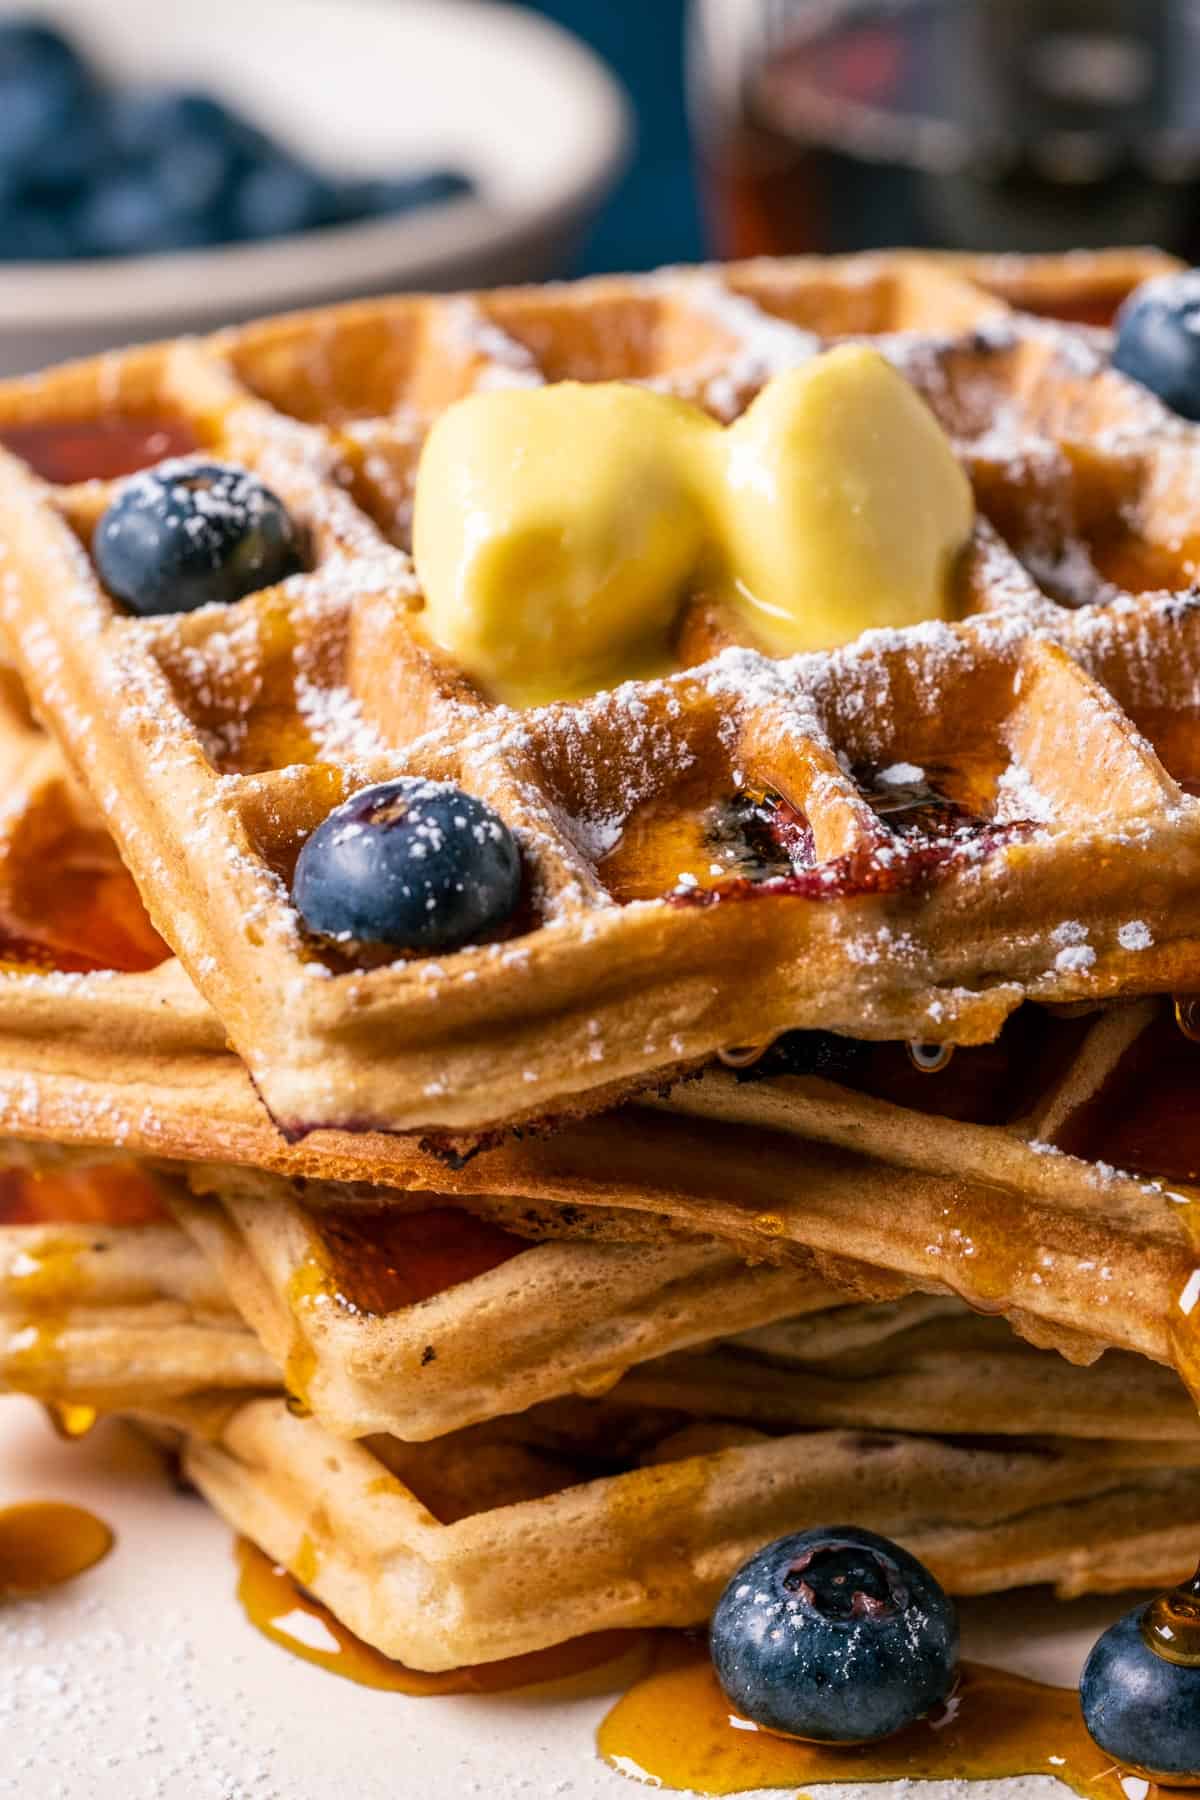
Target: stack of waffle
523, 1291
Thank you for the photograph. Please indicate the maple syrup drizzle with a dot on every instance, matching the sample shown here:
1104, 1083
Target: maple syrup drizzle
76, 917
71, 450
275, 1603
953, 801
982, 1084
45, 1542
381, 1260
1171, 1624
929, 840
70, 1419
685, 842
698, 851
743, 1056
97, 1194
675, 1729
373, 1262
1187, 1017
45, 1277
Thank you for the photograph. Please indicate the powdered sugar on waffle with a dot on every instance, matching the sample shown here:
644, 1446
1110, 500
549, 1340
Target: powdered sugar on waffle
767, 344
1076, 955
505, 361
334, 720
1017, 797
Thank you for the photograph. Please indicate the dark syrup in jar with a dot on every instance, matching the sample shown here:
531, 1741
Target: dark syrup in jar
974, 125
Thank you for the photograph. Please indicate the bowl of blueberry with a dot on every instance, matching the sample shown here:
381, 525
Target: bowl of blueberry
166, 169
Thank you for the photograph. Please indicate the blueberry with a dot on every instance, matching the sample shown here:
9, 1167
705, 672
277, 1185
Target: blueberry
278, 195
1140, 1688
42, 84
66, 164
190, 147
128, 214
401, 194
148, 122
836, 1636
1158, 340
32, 234
414, 863
190, 532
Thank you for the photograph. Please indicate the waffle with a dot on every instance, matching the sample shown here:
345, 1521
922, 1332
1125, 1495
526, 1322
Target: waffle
906, 1368
1073, 1252
420, 1323
105, 1309
218, 741
1055, 1172
508, 1538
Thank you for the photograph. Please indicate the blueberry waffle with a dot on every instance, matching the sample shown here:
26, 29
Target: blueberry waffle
708, 856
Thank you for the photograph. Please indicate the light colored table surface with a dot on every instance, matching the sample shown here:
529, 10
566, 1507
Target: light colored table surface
142, 1680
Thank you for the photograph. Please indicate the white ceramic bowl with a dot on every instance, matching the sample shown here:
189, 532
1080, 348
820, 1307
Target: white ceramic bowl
360, 87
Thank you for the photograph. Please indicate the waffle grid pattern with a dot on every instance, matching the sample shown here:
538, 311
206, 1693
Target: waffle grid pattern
214, 743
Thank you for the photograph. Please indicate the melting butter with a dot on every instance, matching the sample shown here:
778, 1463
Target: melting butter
554, 532
557, 530
844, 506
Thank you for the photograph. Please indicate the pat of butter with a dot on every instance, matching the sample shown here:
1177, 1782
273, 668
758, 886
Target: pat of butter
844, 505
558, 530
554, 532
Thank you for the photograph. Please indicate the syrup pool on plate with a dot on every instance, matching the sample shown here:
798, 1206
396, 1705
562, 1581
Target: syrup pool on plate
277, 1605
674, 1729
45, 1542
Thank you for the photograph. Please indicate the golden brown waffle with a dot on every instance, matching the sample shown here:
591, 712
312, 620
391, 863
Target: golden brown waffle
1075, 1253
105, 1306
1057, 1171
217, 741
431, 1552
922, 1364
420, 1322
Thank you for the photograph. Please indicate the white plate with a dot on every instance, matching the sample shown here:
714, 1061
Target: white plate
142, 1680
361, 87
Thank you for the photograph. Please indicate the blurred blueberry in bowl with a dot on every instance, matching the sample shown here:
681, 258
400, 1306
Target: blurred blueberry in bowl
128, 214
403, 193
42, 83
32, 234
190, 143
277, 195
144, 171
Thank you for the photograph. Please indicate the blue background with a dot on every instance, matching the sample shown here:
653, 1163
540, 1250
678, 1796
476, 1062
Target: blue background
653, 216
